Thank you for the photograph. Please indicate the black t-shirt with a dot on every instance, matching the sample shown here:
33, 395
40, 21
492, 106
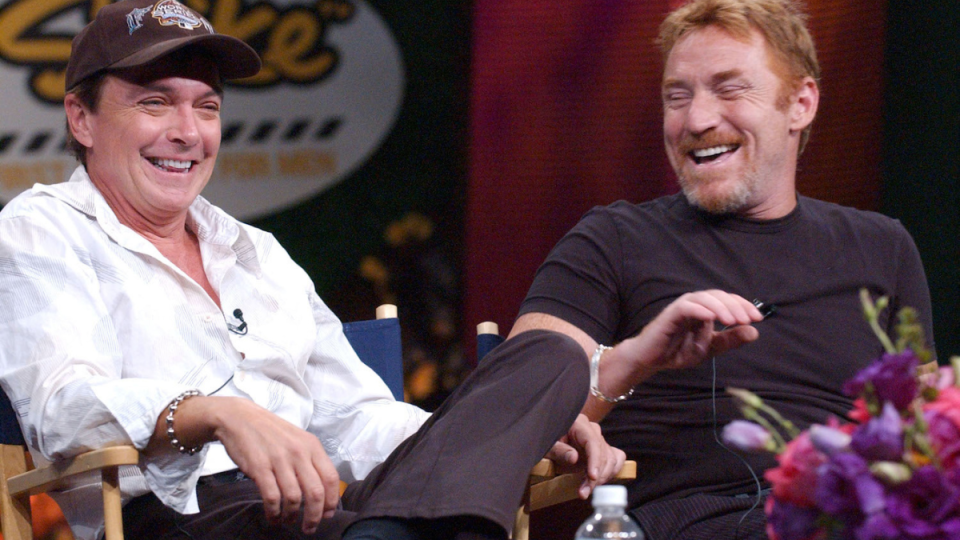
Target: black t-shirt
622, 264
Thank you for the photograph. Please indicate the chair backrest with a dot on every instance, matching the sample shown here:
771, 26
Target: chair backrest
378, 344
488, 337
9, 425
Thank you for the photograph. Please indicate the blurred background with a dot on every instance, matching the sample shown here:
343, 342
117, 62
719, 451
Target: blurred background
429, 154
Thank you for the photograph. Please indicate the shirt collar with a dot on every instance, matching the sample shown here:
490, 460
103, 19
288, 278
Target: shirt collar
211, 224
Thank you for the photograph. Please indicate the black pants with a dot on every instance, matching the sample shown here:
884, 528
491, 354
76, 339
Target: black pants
704, 517
471, 458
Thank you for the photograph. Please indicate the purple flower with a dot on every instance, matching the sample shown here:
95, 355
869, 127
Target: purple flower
892, 378
747, 436
925, 507
881, 438
847, 490
791, 522
877, 527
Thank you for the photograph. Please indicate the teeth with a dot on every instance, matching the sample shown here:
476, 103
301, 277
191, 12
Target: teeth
712, 151
172, 164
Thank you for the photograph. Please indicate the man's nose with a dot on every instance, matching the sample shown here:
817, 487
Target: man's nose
703, 113
184, 129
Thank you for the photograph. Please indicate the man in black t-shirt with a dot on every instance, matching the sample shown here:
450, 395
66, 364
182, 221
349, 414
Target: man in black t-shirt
669, 283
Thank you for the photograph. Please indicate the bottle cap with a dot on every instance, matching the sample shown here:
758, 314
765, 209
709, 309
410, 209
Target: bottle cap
610, 495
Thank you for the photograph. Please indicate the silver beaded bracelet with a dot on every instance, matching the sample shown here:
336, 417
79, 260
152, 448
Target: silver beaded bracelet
595, 378
170, 433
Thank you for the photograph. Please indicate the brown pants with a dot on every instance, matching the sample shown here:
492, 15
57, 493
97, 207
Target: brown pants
471, 458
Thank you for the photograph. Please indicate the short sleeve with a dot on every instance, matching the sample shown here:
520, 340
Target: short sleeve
580, 279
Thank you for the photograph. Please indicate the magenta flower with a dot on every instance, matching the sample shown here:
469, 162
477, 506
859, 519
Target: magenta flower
881, 438
892, 378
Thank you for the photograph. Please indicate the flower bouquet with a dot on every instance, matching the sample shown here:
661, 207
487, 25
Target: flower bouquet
891, 473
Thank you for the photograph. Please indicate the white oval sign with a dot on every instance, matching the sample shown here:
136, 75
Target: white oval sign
330, 91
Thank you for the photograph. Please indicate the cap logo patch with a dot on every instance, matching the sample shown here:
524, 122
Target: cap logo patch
171, 12
135, 19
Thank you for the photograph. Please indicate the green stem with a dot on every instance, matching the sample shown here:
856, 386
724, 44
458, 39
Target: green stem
787, 425
872, 313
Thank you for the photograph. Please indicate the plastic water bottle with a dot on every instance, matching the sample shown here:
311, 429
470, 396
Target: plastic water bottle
609, 519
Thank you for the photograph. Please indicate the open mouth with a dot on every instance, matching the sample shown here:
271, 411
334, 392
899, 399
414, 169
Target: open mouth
171, 165
706, 155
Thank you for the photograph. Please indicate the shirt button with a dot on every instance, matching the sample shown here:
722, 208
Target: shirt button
208, 318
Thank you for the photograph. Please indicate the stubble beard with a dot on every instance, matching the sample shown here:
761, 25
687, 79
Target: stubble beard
700, 191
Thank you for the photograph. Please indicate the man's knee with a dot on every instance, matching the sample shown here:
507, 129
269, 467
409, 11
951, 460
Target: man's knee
546, 355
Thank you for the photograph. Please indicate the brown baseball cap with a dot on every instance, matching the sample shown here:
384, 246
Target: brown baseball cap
136, 32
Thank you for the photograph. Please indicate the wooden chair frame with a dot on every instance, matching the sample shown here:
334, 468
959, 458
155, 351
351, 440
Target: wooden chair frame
21, 480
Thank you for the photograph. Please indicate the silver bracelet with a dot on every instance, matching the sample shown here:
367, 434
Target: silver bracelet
170, 433
595, 378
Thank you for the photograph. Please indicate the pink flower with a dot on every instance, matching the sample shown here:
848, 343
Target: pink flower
860, 413
948, 403
943, 420
945, 377
795, 480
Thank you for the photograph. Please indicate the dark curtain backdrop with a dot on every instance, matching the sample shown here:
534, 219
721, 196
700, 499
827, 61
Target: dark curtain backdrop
921, 154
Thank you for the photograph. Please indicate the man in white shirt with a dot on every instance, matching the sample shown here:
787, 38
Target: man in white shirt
140, 314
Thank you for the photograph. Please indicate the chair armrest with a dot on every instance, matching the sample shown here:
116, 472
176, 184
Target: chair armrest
547, 488
543, 470
547, 469
43, 479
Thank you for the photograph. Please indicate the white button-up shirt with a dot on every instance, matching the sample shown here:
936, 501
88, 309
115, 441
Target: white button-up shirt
100, 333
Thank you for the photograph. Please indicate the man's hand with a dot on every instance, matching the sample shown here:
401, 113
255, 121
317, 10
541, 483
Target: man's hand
602, 461
289, 465
684, 334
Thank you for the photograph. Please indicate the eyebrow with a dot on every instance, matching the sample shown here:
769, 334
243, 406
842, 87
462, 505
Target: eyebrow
166, 89
724, 76
673, 83
717, 78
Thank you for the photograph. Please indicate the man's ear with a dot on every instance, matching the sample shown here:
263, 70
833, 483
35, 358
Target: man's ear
78, 120
803, 106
